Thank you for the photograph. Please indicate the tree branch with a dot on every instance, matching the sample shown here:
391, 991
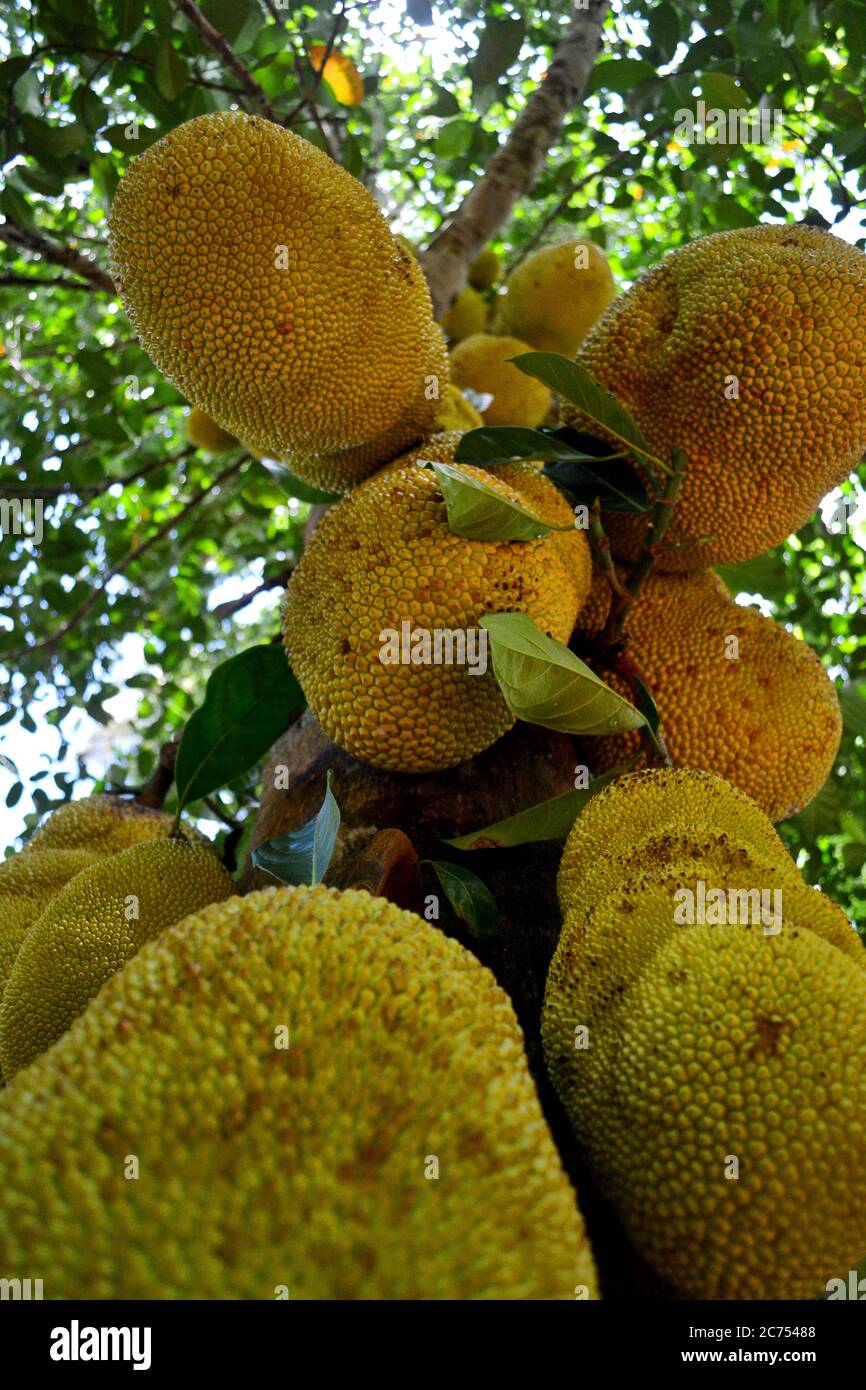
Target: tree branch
23, 239
231, 606
35, 282
118, 567
220, 44
516, 164
34, 489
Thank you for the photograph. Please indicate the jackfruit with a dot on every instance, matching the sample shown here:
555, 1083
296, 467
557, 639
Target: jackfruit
206, 434
553, 297
91, 929
722, 1104
484, 270
263, 280
71, 839
482, 363
467, 315
327, 1099
748, 350
457, 413
738, 695
383, 571
658, 801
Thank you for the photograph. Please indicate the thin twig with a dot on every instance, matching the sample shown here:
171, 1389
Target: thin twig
24, 239
220, 44
232, 606
34, 282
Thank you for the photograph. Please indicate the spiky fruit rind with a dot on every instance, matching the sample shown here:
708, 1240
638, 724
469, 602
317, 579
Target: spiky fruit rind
385, 556
738, 694
723, 349
553, 297
651, 803
91, 929
286, 1066
727, 1119
482, 362
264, 282
103, 824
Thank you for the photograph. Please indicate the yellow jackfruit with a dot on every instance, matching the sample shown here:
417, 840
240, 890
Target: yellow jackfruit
91, 929
553, 297
721, 1102
456, 412
292, 1069
482, 363
71, 839
748, 350
738, 695
263, 280
484, 270
657, 801
385, 576
467, 315
206, 434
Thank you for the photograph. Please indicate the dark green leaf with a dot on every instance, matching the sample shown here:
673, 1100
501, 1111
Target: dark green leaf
491, 444
498, 47
52, 141
171, 75
249, 701
547, 820
471, 899
295, 487
617, 486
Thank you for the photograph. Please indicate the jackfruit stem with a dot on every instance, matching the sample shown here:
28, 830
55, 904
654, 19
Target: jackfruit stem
659, 521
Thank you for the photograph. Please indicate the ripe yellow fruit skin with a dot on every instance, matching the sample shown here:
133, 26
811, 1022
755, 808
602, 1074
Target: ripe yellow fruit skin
768, 720
730, 1044
482, 363
206, 434
654, 802
71, 839
552, 298
467, 315
263, 280
91, 929
484, 270
303, 1165
782, 310
386, 555
457, 413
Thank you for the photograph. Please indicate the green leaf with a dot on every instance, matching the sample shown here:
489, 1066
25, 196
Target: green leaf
613, 481
724, 93
16, 207
498, 47
471, 899
446, 103
453, 139
170, 71
131, 137
303, 855
249, 701
13, 796
852, 699
11, 70
765, 574
546, 820
230, 16
296, 487
51, 141
573, 382
491, 444
9, 765
477, 511
619, 75
542, 682
128, 16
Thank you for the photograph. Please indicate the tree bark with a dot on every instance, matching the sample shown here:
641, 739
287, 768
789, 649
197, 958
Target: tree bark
517, 163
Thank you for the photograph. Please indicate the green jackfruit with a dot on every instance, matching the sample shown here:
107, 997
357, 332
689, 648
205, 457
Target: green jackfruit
91, 929
71, 839
467, 315
327, 1099
554, 297
722, 1104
